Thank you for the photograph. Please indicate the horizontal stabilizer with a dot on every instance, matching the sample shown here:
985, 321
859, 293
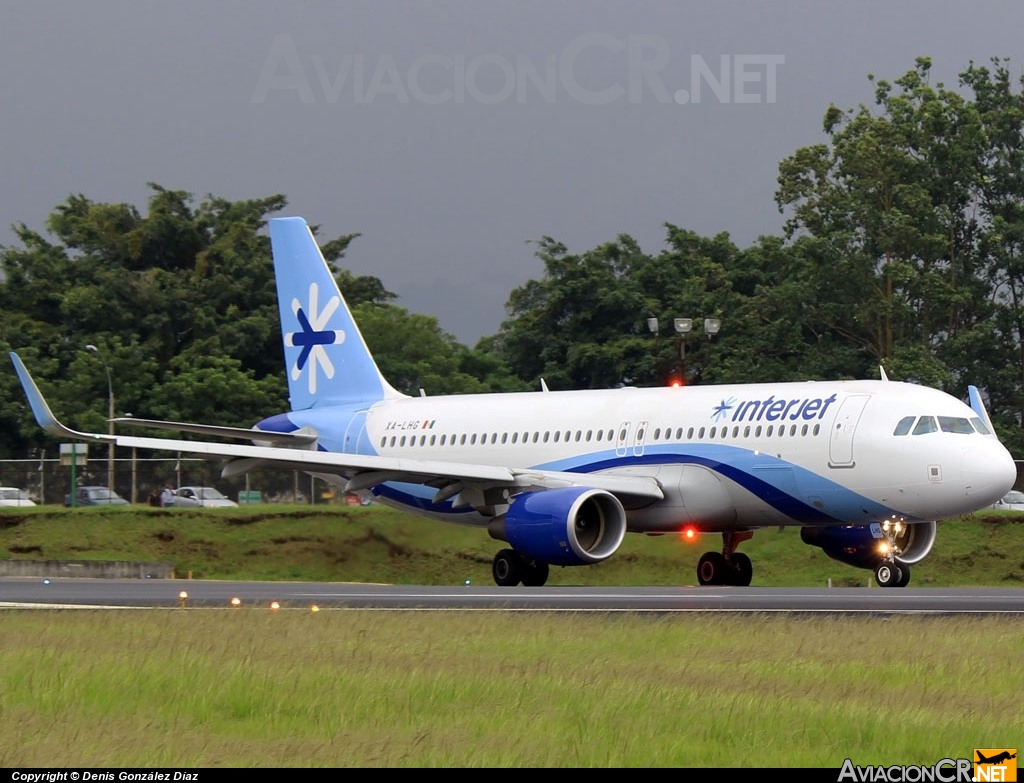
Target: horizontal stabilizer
216, 431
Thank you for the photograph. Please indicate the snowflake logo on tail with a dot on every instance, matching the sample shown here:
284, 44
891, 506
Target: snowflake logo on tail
314, 336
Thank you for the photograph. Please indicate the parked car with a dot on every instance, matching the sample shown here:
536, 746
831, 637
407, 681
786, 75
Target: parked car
1011, 501
12, 496
190, 497
95, 496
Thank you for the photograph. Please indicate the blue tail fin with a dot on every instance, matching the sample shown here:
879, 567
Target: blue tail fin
326, 357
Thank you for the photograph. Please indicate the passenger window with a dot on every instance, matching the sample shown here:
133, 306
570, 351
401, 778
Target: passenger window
689, 434
904, 425
714, 431
700, 434
925, 425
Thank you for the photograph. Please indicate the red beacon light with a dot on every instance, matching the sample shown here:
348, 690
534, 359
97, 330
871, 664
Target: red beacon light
689, 533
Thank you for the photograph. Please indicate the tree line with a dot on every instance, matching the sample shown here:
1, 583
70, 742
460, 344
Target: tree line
902, 246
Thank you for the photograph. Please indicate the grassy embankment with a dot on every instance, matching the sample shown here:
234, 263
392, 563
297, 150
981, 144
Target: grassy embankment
376, 544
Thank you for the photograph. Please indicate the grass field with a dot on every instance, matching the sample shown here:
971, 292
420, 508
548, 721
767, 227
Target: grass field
344, 688
370, 688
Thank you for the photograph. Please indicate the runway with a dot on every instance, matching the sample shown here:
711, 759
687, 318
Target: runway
36, 592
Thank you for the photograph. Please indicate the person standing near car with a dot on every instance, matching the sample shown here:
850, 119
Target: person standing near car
167, 497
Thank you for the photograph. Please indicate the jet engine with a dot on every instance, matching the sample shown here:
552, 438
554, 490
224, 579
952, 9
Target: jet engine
567, 526
862, 546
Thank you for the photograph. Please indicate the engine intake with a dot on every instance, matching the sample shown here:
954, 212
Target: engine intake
860, 545
568, 526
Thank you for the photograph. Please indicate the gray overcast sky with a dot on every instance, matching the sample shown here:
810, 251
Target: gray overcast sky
451, 134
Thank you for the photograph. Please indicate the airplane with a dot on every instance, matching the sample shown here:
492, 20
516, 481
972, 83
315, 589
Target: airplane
1004, 756
864, 468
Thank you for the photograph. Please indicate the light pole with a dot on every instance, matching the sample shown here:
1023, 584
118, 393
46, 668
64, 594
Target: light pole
110, 416
684, 327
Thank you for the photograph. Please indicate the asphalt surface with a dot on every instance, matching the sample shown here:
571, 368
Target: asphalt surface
38, 592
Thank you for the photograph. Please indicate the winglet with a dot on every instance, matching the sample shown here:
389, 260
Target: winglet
44, 416
881, 373
979, 407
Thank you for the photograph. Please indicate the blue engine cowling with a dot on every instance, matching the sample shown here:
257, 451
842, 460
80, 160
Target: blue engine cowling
859, 545
569, 526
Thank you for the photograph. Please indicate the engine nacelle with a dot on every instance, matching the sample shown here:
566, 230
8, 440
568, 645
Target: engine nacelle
861, 545
568, 526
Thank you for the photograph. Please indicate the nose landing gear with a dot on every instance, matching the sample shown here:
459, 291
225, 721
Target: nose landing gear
890, 572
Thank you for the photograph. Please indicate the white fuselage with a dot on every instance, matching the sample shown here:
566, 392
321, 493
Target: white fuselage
725, 456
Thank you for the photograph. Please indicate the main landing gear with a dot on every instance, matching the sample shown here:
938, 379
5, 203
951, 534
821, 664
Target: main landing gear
727, 567
890, 572
511, 568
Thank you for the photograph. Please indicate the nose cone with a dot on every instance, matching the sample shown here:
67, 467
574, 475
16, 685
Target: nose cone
989, 472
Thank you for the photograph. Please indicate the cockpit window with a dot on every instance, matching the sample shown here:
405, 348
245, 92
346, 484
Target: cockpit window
955, 424
979, 425
904, 425
925, 425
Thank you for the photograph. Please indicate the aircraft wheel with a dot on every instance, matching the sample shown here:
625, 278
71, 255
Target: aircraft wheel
712, 568
535, 573
888, 575
742, 570
507, 568
905, 578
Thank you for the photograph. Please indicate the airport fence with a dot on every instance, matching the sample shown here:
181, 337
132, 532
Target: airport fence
47, 480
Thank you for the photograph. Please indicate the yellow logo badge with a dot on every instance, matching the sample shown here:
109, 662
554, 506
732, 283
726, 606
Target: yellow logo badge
998, 765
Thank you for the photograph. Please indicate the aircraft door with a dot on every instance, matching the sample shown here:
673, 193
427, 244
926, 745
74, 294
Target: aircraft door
622, 439
638, 439
840, 444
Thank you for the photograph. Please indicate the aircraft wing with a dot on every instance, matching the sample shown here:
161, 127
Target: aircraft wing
360, 471
364, 471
